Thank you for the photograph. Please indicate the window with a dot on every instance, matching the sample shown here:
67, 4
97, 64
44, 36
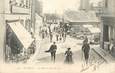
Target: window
27, 4
106, 3
22, 22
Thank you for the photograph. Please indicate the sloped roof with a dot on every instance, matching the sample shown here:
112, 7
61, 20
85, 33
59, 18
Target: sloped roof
51, 16
80, 16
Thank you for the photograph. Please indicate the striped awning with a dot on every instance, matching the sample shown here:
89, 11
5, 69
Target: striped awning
22, 34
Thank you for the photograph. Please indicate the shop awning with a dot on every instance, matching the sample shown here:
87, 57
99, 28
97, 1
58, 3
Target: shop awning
22, 34
88, 26
94, 30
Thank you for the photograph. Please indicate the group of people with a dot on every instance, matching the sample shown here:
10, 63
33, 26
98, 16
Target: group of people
53, 32
43, 32
69, 54
62, 30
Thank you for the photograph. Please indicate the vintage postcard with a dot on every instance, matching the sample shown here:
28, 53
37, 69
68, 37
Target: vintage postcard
57, 36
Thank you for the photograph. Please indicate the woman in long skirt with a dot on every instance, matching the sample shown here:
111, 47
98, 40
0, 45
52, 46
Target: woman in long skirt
68, 58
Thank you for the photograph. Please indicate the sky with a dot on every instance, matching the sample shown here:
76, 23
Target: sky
58, 6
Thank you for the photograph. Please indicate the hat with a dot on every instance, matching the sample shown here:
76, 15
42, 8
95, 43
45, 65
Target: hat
68, 48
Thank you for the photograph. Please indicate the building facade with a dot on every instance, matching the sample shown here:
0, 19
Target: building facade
19, 27
52, 18
108, 24
84, 5
2, 31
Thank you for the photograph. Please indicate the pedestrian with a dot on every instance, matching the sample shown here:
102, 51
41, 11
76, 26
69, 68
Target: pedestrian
51, 36
85, 40
63, 35
42, 32
85, 50
68, 59
57, 36
112, 51
111, 45
64, 38
52, 50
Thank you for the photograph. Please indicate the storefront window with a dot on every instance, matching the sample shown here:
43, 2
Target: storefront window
106, 33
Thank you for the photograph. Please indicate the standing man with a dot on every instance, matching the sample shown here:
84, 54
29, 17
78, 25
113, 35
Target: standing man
52, 50
57, 36
85, 50
85, 40
112, 48
51, 36
111, 45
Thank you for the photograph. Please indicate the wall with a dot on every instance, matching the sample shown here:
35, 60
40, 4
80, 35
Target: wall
108, 18
111, 11
2, 31
111, 7
19, 13
38, 24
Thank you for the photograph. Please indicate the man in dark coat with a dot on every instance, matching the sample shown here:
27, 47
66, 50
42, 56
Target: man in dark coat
52, 50
86, 49
57, 36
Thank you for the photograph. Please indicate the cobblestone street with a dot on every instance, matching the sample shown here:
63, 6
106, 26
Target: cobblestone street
95, 61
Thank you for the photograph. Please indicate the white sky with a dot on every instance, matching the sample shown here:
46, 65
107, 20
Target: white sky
58, 6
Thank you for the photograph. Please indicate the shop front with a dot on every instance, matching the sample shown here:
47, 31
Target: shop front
95, 35
108, 33
18, 41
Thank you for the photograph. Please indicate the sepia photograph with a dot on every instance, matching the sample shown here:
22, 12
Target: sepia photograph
57, 36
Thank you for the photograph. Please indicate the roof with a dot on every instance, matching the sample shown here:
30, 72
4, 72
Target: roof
51, 16
94, 30
80, 16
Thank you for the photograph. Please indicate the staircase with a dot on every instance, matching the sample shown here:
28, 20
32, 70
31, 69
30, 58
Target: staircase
104, 54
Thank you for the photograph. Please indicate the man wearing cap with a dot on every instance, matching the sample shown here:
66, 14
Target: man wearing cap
52, 50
